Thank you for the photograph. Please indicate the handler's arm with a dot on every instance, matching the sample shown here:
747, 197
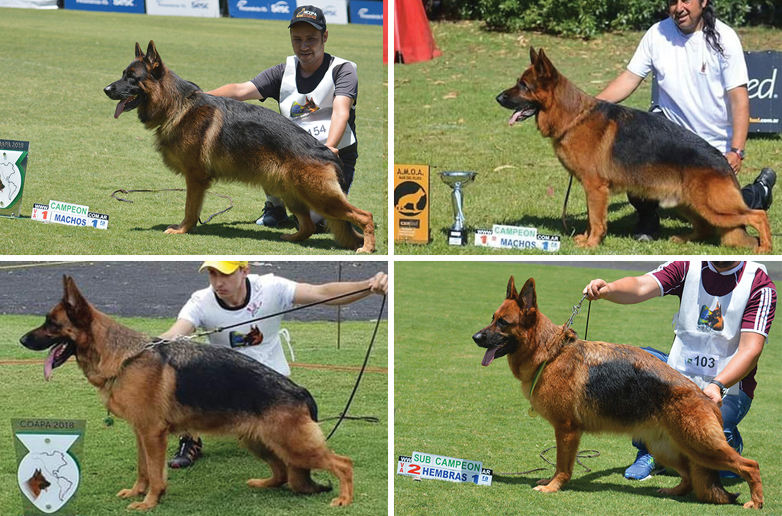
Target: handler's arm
180, 328
339, 121
625, 291
306, 293
240, 91
750, 348
739, 110
621, 87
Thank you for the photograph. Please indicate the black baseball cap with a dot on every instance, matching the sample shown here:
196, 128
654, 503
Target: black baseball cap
309, 14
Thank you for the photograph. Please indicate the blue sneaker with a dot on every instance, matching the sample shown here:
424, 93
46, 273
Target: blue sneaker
272, 216
643, 467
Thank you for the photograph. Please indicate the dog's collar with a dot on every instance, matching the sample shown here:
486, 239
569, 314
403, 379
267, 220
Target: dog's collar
537, 377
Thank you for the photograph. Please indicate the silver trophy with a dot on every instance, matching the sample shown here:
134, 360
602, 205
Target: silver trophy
457, 181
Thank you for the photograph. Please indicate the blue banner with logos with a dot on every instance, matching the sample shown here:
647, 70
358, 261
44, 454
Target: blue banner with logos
263, 9
117, 6
367, 12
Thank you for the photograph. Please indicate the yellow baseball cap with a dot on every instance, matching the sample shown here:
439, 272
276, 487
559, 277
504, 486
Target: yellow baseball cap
224, 267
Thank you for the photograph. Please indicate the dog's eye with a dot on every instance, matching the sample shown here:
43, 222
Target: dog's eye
501, 323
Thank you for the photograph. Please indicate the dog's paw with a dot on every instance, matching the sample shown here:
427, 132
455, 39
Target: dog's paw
265, 483
141, 506
340, 501
129, 493
365, 250
546, 489
175, 229
543, 482
753, 505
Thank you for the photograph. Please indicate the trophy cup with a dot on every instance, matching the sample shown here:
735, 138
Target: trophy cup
457, 181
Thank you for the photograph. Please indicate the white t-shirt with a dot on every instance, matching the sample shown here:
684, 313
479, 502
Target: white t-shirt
693, 78
267, 294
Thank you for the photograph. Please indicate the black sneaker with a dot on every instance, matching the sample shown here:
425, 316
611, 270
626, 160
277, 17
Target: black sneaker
189, 451
648, 228
272, 215
768, 179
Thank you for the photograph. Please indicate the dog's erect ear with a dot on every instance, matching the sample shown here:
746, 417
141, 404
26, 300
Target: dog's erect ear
139, 53
511, 292
528, 299
153, 58
76, 307
543, 66
533, 56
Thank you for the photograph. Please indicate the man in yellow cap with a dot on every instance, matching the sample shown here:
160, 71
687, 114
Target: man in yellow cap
235, 296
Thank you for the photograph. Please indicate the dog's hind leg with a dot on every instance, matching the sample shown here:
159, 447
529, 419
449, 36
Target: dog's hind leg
701, 229
567, 449
276, 465
194, 199
154, 447
300, 481
306, 226
708, 486
299, 442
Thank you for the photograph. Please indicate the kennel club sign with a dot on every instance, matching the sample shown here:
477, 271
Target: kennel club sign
436, 467
69, 214
48, 470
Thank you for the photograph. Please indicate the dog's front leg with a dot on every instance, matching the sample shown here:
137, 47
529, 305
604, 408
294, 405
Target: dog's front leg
142, 482
567, 449
598, 194
154, 447
194, 199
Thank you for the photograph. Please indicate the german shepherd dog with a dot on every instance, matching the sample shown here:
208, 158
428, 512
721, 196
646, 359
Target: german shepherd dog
611, 149
207, 138
581, 386
158, 388
37, 483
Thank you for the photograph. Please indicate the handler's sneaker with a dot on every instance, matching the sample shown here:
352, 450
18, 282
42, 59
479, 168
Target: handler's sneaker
272, 216
643, 467
189, 451
767, 178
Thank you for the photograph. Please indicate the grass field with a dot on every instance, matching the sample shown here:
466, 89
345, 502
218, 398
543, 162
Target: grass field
445, 403
55, 65
215, 485
445, 115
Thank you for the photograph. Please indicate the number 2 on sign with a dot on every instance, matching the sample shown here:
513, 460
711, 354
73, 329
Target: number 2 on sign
412, 469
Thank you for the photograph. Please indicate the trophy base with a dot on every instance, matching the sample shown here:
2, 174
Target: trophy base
457, 237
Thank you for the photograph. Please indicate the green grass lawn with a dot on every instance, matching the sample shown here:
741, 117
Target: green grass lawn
445, 115
216, 484
55, 65
446, 403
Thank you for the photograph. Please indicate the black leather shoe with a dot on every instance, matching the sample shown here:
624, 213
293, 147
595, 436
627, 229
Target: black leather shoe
767, 178
189, 450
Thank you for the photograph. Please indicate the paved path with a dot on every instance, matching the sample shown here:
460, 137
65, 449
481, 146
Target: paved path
160, 288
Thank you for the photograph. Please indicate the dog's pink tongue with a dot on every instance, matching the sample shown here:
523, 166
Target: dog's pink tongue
121, 107
489, 356
514, 117
49, 364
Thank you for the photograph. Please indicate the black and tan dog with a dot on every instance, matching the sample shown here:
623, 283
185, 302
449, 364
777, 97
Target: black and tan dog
611, 149
165, 387
580, 386
208, 139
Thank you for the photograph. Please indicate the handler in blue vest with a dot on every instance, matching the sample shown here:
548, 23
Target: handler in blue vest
315, 90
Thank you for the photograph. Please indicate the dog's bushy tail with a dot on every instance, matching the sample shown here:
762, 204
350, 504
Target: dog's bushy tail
708, 486
345, 233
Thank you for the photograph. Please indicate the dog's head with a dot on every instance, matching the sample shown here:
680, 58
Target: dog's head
510, 323
533, 91
141, 74
66, 328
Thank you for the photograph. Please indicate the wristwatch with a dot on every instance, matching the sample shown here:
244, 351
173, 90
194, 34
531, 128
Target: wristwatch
739, 152
723, 389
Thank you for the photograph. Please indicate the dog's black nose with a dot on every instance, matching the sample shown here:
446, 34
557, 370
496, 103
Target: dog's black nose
479, 338
501, 98
109, 90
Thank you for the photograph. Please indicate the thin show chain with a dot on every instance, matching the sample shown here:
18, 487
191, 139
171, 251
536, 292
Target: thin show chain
114, 194
302, 307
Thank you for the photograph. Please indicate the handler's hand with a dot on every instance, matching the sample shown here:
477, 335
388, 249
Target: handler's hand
713, 392
379, 283
734, 161
333, 149
595, 290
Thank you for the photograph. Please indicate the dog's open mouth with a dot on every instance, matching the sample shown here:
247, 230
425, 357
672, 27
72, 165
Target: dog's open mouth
57, 357
522, 114
127, 104
492, 353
